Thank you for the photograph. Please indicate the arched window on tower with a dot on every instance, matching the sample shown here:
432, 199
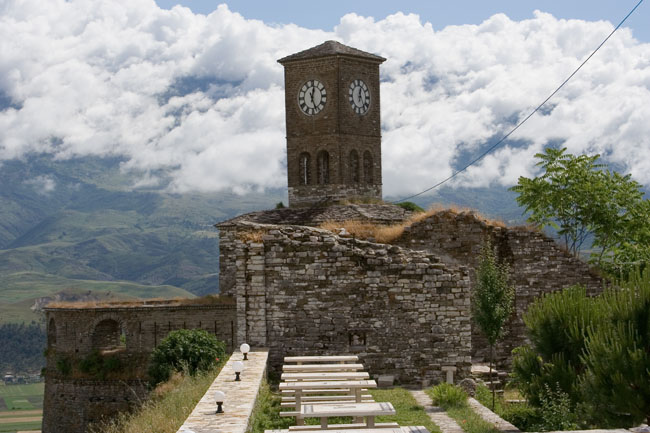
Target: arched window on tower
323, 165
367, 167
303, 161
354, 166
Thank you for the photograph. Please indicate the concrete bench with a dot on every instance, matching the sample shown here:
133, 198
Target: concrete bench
314, 368
366, 410
334, 358
347, 387
385, 427
337, 375
390, 427
312, 398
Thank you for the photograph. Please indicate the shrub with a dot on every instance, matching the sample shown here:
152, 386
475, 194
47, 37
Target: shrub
556, 410
99, 365
190, 350
447, 395
410, 206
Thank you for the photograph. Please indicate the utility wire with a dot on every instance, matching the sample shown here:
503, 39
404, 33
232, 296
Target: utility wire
494, 146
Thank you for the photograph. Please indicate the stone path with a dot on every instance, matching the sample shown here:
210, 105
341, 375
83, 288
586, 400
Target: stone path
437, 414
491, 417
239, 402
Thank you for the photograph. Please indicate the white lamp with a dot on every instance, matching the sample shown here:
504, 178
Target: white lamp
237, 367
219, 397
245, 348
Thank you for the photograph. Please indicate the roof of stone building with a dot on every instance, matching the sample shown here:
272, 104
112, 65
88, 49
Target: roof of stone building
330, 48
379, 213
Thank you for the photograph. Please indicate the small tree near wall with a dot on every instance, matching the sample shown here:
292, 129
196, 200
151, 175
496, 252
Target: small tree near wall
492, 300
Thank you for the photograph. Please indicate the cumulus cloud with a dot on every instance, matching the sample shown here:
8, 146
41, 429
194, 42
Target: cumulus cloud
200, 98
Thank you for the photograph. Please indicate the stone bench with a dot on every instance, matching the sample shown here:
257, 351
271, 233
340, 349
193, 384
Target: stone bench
334, 358
320, 376
314, 368
311, 399
357, 428
366, 410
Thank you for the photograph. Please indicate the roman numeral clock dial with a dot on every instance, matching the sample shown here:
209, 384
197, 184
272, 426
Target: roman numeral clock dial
312, 97
359, 96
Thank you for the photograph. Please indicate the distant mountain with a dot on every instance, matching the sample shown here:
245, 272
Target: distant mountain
78, 224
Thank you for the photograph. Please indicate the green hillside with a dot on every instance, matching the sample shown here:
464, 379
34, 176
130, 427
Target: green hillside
79, 226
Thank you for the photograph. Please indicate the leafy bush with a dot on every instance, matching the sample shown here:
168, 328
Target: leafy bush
190, 350
64, 366
447, 395
521, 415
99, 366
410, 206
556, 411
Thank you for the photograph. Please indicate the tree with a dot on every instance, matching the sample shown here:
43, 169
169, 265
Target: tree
579, 198
191, 350
492, 299
594, 350
617, 357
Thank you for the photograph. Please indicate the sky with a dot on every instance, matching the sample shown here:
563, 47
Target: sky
192, 99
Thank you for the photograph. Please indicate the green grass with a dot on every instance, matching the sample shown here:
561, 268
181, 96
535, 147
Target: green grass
18, 403
32, 389
167, 411
409, 413
459, 410
19, 426
15, 307
266, 415
18, 398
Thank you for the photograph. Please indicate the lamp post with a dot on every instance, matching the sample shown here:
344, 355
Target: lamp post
237, 367
245, 348
219, 397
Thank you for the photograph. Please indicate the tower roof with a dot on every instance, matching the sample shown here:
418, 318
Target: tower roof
331, 48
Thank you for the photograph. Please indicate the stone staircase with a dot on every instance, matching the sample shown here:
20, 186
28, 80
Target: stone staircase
481, 374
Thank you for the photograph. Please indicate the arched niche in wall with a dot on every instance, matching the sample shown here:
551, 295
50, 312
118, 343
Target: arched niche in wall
368, 167
108, 335
323, 167
304, 172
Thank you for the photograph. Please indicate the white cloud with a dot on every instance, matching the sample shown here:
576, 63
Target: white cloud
42, 184
200, 98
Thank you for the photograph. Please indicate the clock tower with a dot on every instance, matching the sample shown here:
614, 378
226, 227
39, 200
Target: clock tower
333, 124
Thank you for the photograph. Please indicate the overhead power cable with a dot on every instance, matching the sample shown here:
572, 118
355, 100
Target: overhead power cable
498, 143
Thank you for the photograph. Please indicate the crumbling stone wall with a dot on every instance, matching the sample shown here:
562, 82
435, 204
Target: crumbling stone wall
74, 399
538, 264
303, 290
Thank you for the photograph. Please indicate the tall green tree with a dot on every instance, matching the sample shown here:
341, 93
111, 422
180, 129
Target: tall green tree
492, 299
579, 197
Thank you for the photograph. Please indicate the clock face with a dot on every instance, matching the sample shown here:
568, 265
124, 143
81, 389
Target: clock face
359, 97
312, 97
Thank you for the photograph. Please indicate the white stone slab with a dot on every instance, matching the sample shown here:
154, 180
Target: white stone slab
347, 409
321, 367
345, 375
324, 358
329, 384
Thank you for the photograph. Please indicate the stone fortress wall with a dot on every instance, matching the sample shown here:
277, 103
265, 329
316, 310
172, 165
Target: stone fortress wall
73, 399
303, 290
537, 263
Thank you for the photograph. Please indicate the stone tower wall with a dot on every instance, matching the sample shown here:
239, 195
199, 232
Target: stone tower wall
303, 290
73, 399
538, 264
336, 130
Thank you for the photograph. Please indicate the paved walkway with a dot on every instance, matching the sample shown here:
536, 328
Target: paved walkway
437, 414
239, 402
